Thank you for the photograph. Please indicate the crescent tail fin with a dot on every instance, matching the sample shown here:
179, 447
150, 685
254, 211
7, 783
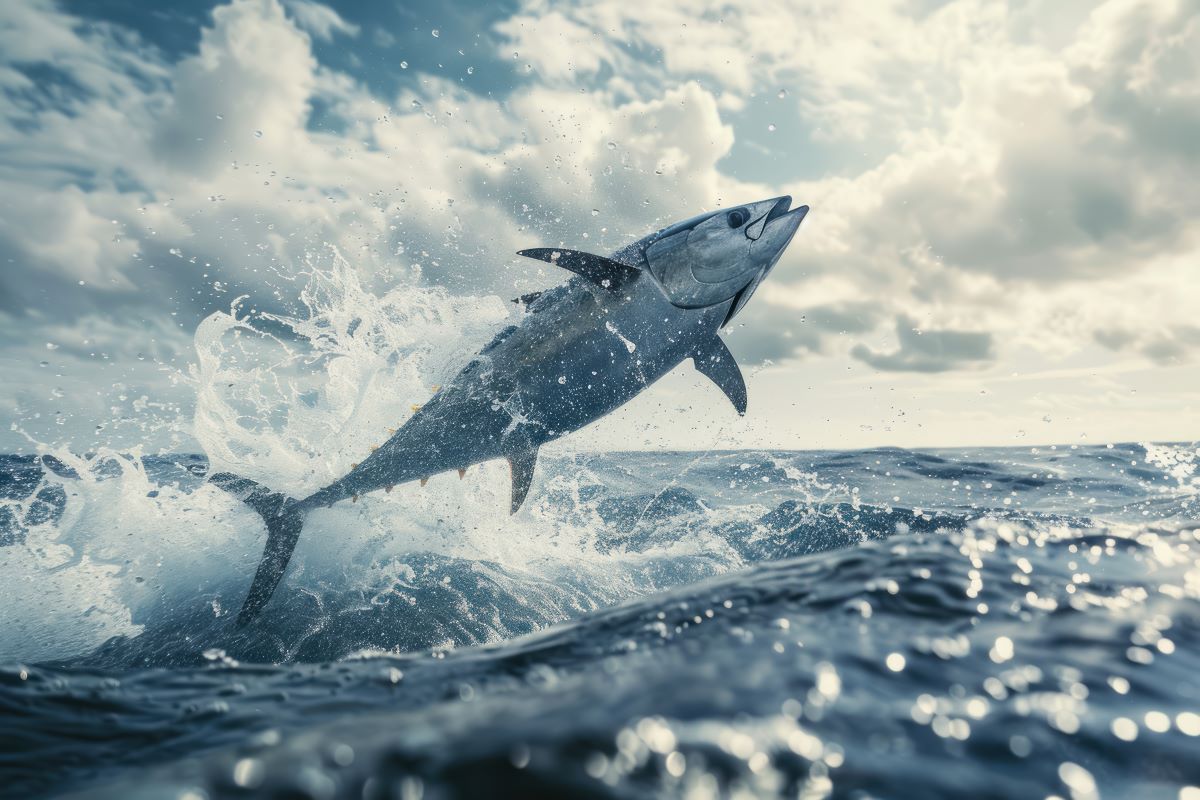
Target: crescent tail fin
284, 521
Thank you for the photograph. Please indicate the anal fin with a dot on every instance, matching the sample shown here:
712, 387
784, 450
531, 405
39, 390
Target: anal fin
522, 463
714, 360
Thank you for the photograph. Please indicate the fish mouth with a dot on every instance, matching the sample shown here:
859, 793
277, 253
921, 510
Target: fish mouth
755, 230
775, 230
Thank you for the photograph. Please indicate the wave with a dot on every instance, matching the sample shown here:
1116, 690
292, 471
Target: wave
900, 661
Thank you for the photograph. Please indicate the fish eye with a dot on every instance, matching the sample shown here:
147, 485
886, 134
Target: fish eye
737, 218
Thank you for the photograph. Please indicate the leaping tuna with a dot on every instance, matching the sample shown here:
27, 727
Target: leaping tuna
583, 349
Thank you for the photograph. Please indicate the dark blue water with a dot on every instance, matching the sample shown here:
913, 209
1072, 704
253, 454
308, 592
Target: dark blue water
1004, 623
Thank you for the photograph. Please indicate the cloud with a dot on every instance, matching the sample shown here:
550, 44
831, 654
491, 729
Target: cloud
320, 20
1166, 346
232, 94
382, 37
1022, 173
929, 350
558, 47
160, 190
1019, 147
779, 330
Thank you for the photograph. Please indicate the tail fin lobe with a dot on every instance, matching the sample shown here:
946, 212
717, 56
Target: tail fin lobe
284, 520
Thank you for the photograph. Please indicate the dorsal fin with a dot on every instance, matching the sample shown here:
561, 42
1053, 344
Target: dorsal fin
522, 463
714, 360
599, 270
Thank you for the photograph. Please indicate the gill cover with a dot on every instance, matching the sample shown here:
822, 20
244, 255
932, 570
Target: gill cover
711, 259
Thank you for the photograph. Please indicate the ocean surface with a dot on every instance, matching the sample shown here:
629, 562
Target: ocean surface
990, 623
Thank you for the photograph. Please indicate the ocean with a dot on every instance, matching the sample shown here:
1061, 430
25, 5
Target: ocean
982, 622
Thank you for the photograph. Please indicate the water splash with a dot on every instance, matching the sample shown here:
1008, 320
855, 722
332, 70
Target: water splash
293, 401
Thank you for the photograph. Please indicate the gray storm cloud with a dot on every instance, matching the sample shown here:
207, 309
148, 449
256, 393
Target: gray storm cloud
929, 350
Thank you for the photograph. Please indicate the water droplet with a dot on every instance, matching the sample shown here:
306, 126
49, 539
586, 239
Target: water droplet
220, 117
1020, 746
1124, 729
595, 212
470, 70
782, 93
1002, 650
248, 773
1157, 721
515, 55
436, 33
403, 65
771, 127
1078, 779
416, 103
612, 145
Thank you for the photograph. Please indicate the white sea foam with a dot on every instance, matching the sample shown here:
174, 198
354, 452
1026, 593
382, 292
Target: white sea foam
293, 401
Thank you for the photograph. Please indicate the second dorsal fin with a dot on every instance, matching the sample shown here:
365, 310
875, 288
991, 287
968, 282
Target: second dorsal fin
599, 270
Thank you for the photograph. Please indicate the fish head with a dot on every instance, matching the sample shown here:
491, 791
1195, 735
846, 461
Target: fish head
723, 255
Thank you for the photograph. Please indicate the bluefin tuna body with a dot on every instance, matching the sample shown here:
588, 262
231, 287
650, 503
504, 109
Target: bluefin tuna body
582, 350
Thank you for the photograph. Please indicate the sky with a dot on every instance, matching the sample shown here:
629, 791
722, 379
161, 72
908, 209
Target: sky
1002, 247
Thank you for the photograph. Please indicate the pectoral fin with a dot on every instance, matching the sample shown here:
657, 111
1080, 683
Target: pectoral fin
522, 463
599, 270
715, 361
